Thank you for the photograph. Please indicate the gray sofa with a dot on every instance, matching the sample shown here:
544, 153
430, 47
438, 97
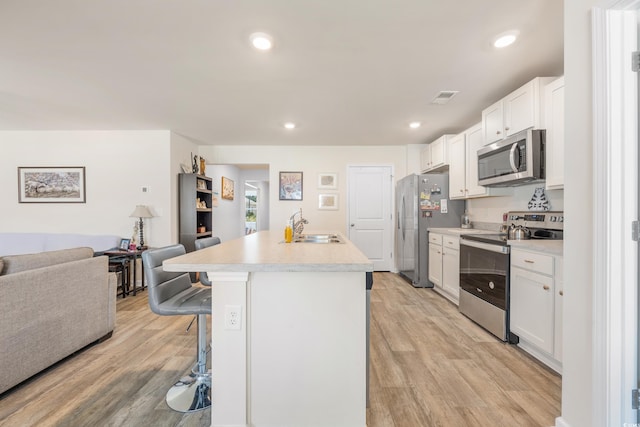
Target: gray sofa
52, 304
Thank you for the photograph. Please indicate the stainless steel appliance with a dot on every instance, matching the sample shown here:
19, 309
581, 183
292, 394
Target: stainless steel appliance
484, 270
422, 201
516, 160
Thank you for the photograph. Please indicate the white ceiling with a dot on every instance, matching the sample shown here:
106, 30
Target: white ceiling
348, 72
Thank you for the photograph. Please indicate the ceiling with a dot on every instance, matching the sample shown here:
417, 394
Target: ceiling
347, 72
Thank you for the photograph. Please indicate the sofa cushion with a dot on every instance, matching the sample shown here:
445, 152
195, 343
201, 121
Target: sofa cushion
17, 263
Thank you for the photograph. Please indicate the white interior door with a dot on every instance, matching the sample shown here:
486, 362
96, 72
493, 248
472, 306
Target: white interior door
370, 207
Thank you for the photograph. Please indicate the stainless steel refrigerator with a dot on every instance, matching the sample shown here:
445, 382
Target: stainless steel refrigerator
422, 201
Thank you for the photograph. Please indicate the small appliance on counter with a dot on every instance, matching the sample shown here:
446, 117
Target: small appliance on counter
485, 264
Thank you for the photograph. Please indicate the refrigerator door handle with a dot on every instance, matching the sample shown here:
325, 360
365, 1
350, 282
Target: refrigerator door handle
403, 218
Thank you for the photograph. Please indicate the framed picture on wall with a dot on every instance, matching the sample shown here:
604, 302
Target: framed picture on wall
227, 188
328, 181
53, 184
328, 202
290, 186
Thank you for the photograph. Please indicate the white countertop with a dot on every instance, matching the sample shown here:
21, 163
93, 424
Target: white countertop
265, 251
550, 247
458, 231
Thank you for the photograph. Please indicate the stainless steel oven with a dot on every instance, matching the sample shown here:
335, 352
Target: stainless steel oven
484, 281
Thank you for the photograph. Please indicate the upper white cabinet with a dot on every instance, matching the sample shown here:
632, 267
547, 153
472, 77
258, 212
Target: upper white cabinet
435, 155
519, 110
554, 123
463, 166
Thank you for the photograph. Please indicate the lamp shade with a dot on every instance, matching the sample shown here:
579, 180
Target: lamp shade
141, 211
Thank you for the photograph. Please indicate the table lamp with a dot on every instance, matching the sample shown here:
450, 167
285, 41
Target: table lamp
140, 212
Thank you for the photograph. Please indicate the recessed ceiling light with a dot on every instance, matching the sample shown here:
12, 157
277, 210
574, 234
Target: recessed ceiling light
261, 41
505, 39
414, 125
290, 125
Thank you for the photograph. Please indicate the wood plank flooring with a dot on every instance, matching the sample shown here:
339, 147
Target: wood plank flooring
430, 366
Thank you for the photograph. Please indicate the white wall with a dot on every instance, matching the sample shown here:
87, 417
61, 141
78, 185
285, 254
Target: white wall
577, 379
228, 218
310, 160
118, 164
182, 152
490, 209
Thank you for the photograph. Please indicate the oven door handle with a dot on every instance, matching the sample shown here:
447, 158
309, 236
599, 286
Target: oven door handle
486, 246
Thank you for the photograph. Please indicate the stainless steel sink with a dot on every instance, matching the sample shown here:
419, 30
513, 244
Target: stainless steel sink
318, 238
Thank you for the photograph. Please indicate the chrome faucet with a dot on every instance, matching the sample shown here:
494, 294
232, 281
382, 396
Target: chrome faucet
297, 226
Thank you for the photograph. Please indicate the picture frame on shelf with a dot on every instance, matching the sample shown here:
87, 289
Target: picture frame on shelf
328, 201
290, 186
202, 185
227, 188
52, 184
125, 244
328, 181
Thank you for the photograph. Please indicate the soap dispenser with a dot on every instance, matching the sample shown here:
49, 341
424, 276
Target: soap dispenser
465, 222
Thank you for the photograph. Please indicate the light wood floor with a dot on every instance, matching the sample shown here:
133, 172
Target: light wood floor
430, 366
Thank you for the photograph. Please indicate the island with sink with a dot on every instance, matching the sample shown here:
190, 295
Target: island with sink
289, 330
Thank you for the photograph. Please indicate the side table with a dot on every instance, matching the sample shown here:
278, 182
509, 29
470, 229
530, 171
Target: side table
133, 256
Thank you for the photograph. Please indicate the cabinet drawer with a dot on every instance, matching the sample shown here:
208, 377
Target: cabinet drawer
537, 262
452, 242
435, 238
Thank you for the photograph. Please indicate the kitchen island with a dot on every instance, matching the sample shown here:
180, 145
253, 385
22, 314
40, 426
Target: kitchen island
296, 354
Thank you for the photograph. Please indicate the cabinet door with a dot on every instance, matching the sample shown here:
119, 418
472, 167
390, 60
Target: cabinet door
451, 272
475, 142
554, 123
457, 170
438, 152
519, 109
493, 123
435, 264
559, 295
425, 158
532, 315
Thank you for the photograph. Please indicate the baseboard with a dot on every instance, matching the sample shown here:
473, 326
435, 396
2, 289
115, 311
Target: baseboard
560, 422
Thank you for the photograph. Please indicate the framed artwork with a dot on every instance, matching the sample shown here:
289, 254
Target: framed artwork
124, 244
328, 202
290, 186
54, 184
328, 181
227, 188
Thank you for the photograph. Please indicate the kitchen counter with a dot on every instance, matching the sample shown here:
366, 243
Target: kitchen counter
459, 231
266, 251
550, 247
299, 346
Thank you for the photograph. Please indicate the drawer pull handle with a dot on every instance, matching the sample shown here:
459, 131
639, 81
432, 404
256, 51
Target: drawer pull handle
529, 261
545, 287
561, 293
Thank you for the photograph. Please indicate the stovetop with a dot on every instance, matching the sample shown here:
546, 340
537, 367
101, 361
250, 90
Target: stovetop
494, 239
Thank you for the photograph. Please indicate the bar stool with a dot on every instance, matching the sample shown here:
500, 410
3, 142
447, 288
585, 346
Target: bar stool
173, 294
205, 243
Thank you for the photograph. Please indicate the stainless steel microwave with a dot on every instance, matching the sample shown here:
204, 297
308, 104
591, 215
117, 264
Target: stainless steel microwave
516, 160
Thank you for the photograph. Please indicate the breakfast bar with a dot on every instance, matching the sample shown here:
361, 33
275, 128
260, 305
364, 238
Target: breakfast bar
288, 330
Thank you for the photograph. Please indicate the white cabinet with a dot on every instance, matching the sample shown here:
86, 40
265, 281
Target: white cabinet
463, 166
451, 266
554, 124
435, 156
435, 265
520, 110
534, 307
444, 265
457, 167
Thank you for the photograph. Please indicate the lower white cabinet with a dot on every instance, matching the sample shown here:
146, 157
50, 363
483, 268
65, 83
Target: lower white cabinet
536, 306
444, 265
435, 265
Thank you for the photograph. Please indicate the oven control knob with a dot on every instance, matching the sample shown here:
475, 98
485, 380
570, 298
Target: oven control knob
492, 285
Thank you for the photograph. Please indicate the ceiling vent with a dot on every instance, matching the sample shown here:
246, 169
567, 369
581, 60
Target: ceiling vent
444, 97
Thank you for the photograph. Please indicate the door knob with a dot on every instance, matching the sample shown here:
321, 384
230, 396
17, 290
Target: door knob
353, 225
